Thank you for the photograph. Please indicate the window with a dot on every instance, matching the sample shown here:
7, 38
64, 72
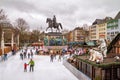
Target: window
116, 27
116, 32
112, 28
112, 33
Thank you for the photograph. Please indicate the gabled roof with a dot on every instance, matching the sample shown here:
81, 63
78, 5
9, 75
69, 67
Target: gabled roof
118, 15
107, 18
113, 42
5, 24
99, 21
78, 28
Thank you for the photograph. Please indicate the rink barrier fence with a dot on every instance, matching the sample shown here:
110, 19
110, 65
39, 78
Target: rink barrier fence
77, 73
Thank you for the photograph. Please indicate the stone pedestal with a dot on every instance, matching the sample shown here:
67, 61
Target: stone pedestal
52, 37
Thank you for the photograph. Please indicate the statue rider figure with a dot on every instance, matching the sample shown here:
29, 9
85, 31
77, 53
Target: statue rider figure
54, 21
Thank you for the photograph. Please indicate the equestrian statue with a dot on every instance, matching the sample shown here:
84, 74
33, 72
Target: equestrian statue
52, 23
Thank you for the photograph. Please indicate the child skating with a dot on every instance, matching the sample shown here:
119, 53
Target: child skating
25, 67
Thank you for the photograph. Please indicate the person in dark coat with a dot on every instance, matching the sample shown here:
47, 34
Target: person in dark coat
28, 55
59, 58
51, 57
5, 56
24, 54
21, 56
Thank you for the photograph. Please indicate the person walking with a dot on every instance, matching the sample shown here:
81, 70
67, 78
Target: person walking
24, 54
51, 57
31, 63
28, 55
54, 55
5, 56
21, 56
60, 55
31, 54
13, 52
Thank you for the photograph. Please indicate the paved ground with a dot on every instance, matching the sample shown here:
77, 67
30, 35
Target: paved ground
12, 69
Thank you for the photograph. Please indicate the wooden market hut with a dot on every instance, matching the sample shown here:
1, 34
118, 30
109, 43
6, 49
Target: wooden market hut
109, 69
9, 37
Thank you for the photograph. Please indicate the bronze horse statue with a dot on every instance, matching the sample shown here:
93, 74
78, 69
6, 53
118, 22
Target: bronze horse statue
52, 24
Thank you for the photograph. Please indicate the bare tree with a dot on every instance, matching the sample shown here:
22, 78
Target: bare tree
35, 35
23, 27
2, 17
21, 24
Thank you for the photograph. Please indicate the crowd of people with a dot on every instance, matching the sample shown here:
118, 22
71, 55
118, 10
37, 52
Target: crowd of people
59, 55
6, 55
27, 54
55, 55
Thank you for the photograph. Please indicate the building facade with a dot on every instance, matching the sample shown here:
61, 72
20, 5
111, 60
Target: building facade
94, 32
70, 39
98, 29
78, 35
102, 31
112, 29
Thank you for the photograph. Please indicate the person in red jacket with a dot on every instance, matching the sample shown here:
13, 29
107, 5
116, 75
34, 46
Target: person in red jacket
25, 67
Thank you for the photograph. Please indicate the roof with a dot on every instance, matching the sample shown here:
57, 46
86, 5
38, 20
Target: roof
107, 63
78, 28
83, 44
118, 15
99, 21
4, 24
91, 43
113, 42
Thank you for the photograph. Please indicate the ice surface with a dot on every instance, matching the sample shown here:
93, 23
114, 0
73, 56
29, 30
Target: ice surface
12, 69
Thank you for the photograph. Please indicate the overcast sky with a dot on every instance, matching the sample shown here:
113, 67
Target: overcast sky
71, 13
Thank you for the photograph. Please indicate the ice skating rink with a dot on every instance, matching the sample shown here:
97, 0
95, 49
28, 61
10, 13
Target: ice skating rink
13, 69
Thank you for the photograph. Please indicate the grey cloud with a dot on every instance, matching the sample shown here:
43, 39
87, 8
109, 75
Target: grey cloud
19, 5
69, 12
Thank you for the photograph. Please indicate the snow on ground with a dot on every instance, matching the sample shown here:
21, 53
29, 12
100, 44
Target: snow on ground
12, 69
